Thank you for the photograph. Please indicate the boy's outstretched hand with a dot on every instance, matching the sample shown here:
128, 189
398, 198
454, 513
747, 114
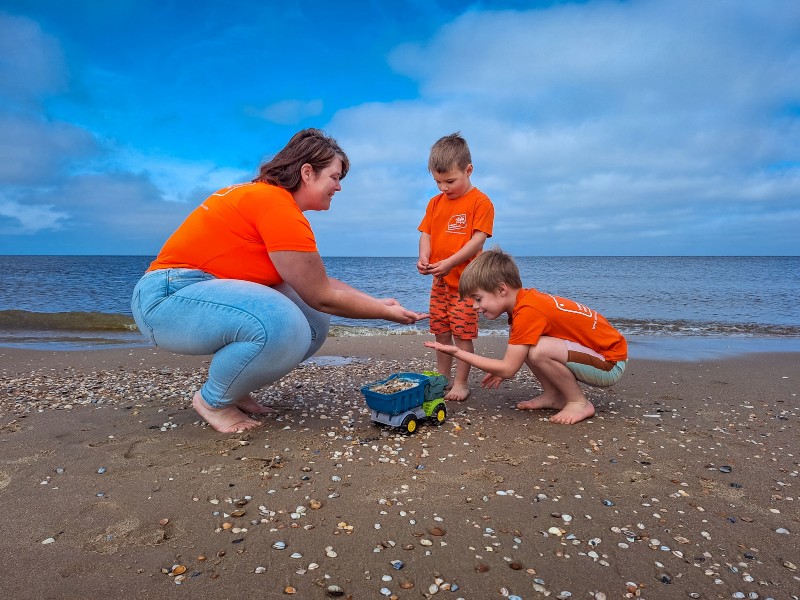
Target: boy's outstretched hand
491, 381
451, 350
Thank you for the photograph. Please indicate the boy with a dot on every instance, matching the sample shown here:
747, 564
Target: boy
457, 223
561, 341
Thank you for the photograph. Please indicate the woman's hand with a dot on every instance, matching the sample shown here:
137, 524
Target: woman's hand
398, 314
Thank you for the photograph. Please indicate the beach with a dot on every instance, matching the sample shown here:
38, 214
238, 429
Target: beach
683, 485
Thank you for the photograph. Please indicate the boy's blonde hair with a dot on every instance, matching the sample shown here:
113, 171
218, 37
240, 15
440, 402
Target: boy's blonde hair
448, 152
489, 269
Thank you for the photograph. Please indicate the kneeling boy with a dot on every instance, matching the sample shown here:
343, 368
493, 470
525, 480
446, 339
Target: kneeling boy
560, 340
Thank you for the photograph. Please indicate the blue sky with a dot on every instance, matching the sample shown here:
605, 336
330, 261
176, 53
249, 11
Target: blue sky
652, 127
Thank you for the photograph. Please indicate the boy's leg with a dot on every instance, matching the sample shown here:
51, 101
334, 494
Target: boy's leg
464, 323
439, 323
460, 390
444, 362
548, 361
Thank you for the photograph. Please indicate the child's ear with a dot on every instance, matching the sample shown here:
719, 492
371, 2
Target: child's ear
502, 289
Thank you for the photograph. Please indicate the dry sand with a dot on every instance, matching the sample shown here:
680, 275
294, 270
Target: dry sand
685, 484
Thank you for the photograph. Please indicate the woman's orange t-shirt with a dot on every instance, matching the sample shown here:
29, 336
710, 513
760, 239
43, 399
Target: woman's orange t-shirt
231, 234
536, 314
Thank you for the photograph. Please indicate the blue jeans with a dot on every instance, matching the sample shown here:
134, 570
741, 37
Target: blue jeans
256, 333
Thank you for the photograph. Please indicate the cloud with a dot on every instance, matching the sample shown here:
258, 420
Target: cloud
17, 218
599, 127
32, 63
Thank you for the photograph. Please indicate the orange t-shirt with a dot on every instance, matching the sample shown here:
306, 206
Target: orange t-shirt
452, 223
232, 232
536, 314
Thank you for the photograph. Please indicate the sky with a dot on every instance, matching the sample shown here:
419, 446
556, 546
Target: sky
597, 127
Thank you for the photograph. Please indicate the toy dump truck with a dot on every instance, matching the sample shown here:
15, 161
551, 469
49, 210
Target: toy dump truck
404, 399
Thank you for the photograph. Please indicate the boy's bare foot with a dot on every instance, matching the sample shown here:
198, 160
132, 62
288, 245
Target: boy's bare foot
225, 420
249, 404
569, 412
459, 392
542, 402
574, 412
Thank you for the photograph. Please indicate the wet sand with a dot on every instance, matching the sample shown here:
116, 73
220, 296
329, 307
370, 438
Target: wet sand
685, 482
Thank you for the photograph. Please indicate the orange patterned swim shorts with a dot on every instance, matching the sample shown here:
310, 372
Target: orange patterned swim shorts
449, 314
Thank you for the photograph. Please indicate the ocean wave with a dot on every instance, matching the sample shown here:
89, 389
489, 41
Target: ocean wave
24, 320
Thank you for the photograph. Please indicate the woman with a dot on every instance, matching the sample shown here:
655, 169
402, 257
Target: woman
242, 279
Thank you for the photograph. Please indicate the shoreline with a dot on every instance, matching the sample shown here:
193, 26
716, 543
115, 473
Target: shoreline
685, 482
650, 347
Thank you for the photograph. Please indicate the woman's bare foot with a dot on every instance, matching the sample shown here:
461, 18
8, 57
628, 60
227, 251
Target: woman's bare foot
225, 420
249, 404
459, 392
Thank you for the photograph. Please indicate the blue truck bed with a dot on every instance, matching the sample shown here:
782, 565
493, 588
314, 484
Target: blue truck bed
397, 402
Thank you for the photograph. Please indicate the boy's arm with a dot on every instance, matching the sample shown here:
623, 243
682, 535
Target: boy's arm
467, 251
423, 262
506, 367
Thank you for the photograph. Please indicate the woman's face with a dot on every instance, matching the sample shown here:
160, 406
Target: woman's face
317, 189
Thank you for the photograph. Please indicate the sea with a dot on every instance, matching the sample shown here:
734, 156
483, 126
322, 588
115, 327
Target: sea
667, 307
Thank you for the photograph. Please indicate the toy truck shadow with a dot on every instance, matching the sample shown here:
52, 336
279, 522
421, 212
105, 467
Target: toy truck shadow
404, 409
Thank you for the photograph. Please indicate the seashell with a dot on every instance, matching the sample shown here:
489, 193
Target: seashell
163, 522
289, 590
260, 570
279, 545
407, 584
433, 588
426, 542
334, 591
437, 531
315, 504
398, 564
178, 570
482, 568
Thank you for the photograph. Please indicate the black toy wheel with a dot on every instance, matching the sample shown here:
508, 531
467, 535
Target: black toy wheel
440, 414
409, 425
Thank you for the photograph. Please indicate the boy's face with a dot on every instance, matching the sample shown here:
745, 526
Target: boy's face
492, 304
454, 183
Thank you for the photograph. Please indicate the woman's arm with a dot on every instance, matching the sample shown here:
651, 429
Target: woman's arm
305, 273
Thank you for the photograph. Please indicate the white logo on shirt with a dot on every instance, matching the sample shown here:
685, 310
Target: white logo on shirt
230, 188
578, 309
457, 222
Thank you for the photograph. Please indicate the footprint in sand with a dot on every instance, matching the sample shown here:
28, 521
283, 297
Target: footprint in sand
5, 479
